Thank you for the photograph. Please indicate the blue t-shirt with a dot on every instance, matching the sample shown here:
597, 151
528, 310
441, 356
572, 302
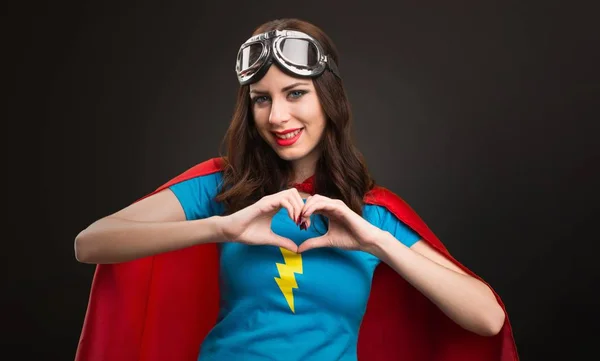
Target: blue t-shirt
278, 305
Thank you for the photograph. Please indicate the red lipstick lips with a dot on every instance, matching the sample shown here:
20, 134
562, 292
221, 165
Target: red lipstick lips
288, 141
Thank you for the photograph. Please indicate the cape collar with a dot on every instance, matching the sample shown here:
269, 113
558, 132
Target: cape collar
307, 186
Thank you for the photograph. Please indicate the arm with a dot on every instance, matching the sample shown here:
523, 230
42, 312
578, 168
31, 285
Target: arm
466, 300
151, 226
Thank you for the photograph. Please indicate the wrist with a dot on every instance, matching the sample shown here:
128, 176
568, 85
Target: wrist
219, 228
377, 244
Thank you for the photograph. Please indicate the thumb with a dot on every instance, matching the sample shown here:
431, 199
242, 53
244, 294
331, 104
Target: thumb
316, 242
286, 243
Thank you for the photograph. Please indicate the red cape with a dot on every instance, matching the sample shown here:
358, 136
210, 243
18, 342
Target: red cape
161, 307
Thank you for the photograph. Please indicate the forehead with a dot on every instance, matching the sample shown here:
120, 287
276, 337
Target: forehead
277, 79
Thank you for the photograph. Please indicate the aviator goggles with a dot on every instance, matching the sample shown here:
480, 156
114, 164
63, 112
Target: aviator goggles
295, 51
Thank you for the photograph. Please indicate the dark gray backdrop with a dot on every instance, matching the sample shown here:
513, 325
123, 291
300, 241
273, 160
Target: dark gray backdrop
478, 115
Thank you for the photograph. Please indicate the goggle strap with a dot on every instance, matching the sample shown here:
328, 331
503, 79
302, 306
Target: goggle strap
332, 66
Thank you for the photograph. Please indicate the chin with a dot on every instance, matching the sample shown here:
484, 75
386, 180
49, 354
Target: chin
290, 154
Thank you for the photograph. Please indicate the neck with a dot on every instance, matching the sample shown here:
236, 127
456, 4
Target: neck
304, 168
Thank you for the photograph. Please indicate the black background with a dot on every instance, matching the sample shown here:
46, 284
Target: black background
481, 116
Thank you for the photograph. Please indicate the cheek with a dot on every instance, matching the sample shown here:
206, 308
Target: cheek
314, 115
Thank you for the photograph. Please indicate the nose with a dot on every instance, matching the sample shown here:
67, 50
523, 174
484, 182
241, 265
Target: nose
279, 112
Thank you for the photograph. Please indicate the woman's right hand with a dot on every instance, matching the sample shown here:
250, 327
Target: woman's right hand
252, 225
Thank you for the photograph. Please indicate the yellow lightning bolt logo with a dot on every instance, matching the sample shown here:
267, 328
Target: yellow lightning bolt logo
286, 280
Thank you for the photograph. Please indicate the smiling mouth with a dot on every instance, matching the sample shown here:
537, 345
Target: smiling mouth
289, 135
289, 138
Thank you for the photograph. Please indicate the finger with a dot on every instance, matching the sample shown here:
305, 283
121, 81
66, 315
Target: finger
327, 207
309, 202
315, 206
284, 202
304, 205
296, 200
283, 242
312, 243
320, 205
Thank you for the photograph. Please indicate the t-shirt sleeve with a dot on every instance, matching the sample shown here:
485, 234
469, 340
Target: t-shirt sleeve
197, 196
389, 222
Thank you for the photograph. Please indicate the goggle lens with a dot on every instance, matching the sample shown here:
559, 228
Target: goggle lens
299, 52
248, 56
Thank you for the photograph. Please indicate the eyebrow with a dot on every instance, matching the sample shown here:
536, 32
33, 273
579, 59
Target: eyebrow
284, 89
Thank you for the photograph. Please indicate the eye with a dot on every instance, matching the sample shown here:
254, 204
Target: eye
260, 100
295, 94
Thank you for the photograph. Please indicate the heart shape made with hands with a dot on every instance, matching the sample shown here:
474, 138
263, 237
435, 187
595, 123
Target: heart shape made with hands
344, 229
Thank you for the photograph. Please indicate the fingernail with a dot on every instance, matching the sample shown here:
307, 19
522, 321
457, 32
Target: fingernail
303, 225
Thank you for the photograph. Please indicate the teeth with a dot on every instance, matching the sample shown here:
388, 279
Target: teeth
288, 135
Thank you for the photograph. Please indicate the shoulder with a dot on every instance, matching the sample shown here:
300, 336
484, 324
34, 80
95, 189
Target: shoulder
207, 181
380, 203
206, 174
378, 215
383, 197
387, 204
386, 210
197, 187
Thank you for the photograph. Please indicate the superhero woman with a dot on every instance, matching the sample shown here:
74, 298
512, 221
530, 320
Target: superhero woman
284, 248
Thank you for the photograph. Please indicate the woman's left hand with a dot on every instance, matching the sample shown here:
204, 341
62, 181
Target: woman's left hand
347, 230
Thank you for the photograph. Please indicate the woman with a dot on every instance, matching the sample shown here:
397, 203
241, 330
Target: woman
295, 229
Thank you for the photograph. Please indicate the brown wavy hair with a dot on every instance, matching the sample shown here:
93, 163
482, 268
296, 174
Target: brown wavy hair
252, 169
